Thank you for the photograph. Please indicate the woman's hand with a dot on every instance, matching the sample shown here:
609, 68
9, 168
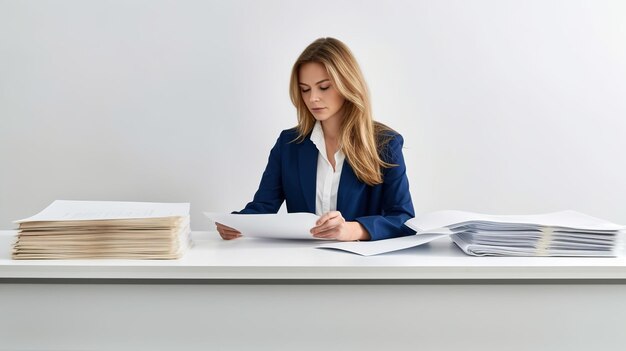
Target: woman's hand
227, 233
332, 225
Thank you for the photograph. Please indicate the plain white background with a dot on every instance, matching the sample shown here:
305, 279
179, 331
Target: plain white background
506, 106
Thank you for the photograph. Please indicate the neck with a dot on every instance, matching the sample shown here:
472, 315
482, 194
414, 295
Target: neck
331, 128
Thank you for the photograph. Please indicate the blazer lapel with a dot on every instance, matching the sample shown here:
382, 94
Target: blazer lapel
349, 186
307, 167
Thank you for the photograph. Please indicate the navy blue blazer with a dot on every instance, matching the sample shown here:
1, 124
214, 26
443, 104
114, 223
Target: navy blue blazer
291, 175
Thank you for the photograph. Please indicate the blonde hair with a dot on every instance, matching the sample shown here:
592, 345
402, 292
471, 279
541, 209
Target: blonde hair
361, 138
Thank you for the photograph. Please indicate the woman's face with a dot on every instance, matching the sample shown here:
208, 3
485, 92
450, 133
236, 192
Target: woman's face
319, 93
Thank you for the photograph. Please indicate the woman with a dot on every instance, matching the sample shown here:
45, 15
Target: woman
337, 162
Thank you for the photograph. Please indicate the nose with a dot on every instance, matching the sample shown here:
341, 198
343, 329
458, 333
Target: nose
314, 97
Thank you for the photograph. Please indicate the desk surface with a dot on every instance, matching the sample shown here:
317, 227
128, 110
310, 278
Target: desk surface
263, 259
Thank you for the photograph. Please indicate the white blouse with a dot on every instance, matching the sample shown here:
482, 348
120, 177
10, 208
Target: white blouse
327, 179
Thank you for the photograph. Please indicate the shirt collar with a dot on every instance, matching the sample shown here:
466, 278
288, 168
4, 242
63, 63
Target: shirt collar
317, 137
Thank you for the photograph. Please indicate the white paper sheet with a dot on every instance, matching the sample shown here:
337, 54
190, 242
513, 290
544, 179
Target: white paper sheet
65, 210
370, 248
279, 225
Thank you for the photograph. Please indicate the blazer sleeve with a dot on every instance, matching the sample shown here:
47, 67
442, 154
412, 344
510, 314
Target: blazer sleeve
396, 206
270, 195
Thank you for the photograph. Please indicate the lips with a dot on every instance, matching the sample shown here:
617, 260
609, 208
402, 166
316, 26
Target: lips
317, 109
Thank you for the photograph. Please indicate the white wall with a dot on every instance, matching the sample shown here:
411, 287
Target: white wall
506, 106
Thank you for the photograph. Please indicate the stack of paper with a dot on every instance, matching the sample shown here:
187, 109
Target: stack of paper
566, 233
104, 229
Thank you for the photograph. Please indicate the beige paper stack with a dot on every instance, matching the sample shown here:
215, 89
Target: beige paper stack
104, 229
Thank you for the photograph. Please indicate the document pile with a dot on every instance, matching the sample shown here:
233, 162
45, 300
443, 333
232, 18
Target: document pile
566, 233
104, 229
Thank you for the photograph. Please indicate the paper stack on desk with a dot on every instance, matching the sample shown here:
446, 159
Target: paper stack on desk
104, 229
565, 233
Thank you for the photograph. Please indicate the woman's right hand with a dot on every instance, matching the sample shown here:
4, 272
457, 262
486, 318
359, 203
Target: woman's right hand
227, 233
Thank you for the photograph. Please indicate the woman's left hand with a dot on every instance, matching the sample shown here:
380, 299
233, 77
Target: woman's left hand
332, 225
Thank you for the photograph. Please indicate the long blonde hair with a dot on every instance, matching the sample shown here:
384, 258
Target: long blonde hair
361, 138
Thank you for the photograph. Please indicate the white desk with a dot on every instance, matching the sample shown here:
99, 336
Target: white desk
286, 295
